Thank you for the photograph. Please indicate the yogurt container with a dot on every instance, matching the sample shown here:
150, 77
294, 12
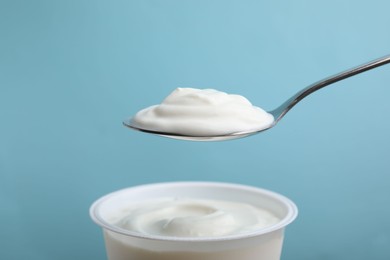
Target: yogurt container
263, 243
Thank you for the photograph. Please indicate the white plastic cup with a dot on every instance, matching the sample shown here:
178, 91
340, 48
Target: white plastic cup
262, 244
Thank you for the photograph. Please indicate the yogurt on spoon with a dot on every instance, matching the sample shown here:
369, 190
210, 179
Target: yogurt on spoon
202, 112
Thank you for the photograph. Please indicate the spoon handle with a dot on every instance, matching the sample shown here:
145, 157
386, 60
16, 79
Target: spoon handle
279, 112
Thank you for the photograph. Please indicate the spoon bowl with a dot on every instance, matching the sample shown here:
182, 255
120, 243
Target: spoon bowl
277, 113
199, 138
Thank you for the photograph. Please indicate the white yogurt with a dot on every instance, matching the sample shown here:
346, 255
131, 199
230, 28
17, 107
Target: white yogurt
203, 112
187, 217
193, 221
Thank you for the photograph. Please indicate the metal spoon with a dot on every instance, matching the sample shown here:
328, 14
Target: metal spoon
279, 112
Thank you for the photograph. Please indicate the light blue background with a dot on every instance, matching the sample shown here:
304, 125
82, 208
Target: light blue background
71, 71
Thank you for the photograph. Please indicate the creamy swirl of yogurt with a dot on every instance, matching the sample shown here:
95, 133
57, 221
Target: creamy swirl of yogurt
203, 112
188, 217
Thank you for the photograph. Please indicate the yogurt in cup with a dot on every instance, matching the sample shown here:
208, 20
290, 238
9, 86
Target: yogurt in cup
193, 221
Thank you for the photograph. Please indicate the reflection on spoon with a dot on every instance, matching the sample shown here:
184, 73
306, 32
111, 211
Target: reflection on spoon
277, 113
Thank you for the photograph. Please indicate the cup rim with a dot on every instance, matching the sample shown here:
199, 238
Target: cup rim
292, 212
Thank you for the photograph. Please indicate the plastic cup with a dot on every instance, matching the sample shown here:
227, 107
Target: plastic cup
262, 244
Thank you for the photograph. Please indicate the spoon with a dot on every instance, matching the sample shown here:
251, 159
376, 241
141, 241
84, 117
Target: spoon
280, 111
